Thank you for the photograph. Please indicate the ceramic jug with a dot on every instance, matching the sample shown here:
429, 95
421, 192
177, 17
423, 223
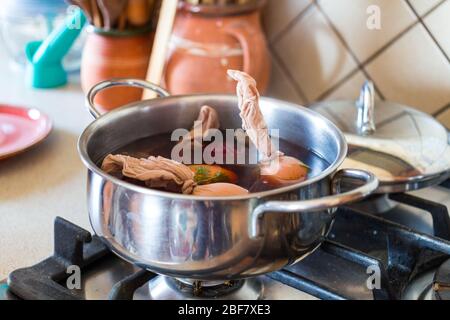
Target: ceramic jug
115, 54
209, 39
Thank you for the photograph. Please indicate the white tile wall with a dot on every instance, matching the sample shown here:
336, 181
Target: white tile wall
280, 13
439, 24
323, 50
350, 89
305, 49
423, 6
350, 18
418, 76
281, 87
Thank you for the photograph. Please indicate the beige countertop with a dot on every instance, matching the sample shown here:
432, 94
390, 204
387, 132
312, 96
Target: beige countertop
47, 181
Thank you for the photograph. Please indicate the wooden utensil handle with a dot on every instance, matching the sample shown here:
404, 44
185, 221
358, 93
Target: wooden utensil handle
138, 12
160, 45
96, 16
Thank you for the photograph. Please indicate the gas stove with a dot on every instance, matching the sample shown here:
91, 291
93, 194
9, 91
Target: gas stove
388, 247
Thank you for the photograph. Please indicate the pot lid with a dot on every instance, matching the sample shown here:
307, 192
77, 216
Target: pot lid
405, 148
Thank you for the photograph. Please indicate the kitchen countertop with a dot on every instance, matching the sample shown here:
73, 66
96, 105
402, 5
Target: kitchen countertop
45, 182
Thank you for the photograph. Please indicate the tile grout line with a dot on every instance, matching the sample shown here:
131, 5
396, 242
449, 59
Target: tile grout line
422, 22
330, 90
446, 107
277, 37
429, 10
377, 89
441, 110
360, 66
396, 38
288, 75
363, 64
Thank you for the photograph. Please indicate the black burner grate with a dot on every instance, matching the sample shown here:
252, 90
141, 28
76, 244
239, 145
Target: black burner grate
438, 212
73, 246
398, 252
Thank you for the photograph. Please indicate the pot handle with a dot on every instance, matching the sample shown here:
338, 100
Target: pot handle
119, 83
320, 204
250, 40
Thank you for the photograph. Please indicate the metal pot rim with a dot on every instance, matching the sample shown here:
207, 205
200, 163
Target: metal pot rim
84, 138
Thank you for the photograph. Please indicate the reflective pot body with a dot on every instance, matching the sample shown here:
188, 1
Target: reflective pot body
213, 238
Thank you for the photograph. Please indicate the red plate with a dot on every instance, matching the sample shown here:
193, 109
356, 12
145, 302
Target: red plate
20, 129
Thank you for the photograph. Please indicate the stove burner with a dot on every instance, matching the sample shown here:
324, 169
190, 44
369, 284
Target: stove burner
166, 288
201, 289
431, 285
421, 287
441, 283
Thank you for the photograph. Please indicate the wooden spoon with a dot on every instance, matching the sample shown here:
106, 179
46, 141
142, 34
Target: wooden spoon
160, 45
96, 15
138, 12
111, 11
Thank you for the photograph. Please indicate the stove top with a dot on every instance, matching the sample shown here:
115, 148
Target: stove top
104, 275
400, 252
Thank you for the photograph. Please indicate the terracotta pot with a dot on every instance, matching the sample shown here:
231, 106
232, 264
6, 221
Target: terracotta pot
207, 40
114, 54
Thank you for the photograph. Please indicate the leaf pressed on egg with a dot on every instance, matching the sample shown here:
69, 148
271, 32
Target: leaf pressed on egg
207, 174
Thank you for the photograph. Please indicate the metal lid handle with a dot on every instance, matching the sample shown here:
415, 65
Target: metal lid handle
119, 83
366, 110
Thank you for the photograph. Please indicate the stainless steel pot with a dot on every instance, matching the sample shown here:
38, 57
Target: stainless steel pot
213, 238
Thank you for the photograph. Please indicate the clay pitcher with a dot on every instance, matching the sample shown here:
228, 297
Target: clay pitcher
209, 39
115, 54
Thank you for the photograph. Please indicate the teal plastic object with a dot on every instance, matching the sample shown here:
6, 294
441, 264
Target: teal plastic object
44, 68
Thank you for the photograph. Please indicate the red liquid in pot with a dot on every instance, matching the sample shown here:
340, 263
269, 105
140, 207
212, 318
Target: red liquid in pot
247, 175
